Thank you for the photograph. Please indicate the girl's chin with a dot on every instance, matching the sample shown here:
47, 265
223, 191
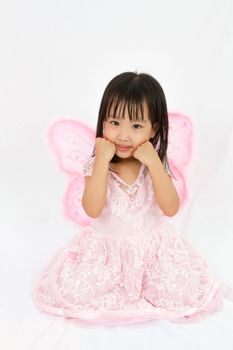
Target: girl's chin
124, 154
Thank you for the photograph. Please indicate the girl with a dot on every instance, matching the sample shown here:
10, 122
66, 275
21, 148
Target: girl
129, 265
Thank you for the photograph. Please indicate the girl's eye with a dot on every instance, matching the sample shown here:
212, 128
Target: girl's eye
113, 121
138, 125
135, 126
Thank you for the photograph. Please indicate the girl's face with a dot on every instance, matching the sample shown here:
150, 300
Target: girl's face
127, 134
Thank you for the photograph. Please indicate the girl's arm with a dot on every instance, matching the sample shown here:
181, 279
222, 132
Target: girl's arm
95, 191
164, 190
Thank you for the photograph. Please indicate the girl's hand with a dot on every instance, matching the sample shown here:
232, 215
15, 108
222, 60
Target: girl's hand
104, 149
146, 153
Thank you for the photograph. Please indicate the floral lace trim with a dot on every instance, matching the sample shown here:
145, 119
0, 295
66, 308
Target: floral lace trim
88, 167
132, 189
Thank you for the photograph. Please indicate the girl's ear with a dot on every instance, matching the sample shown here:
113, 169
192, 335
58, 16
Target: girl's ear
152, 135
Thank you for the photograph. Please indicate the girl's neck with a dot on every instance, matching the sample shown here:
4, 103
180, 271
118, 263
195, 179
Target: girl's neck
128, 161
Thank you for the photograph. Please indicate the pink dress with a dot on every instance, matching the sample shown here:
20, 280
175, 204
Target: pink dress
128, 265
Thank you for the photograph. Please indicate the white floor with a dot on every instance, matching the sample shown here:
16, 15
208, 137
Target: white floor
23, 328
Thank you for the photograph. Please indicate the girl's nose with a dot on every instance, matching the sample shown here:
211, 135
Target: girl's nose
124, 135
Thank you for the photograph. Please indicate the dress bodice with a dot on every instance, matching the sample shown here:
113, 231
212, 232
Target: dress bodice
128, 208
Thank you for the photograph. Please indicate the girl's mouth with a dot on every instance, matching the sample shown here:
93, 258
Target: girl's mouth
123, 148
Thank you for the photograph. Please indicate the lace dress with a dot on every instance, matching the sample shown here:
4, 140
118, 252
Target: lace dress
128, 265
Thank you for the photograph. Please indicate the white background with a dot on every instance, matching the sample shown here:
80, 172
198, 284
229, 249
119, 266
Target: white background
56, 59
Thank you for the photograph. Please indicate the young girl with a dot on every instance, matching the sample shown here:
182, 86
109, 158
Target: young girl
129, 265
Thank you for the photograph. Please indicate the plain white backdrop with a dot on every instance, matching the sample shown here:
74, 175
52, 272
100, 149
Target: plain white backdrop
56, 59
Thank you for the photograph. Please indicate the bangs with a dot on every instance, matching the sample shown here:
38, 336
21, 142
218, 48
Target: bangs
136, 107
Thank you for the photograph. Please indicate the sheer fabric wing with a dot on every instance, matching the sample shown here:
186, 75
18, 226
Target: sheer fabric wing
72, 143
179, 153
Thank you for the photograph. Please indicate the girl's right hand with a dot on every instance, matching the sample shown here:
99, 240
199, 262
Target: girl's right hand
104, 149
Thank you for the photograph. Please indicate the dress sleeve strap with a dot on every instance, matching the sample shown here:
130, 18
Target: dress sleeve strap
88, 166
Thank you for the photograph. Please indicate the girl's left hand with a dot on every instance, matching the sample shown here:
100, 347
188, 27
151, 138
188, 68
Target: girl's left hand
146, 153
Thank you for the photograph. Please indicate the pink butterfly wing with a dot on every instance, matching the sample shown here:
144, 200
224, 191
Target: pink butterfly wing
72, 143
179, 153
72, 202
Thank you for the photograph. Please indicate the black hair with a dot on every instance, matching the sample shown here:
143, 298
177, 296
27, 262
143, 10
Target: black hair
132, 89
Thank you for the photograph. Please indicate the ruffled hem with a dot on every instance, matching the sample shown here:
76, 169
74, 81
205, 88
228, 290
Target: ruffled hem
136, 314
